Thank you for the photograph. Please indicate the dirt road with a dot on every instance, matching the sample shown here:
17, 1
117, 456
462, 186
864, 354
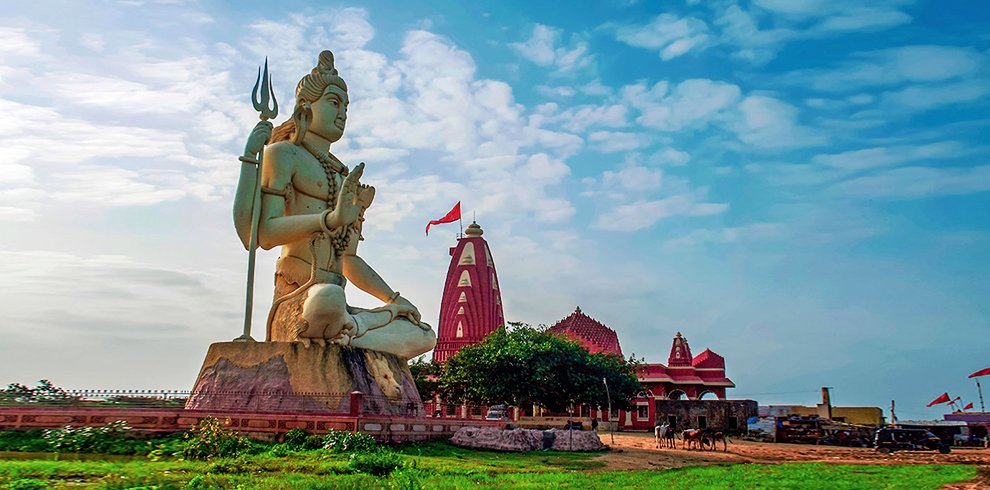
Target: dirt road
637, 451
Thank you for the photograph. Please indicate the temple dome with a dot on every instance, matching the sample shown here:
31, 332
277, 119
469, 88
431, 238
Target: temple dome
591, 333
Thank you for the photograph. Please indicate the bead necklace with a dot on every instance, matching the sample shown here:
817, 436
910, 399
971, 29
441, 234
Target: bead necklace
331, 167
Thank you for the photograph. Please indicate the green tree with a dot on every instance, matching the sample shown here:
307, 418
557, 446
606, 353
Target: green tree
44, 392
524, 365
426, 376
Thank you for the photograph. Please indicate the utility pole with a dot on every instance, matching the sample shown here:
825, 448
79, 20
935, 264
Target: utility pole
608, 416
893, 417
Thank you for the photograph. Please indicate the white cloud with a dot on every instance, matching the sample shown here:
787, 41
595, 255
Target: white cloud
690, 104
670, 35
670, 156
922, 98
867, 158
732, 234
766, 122
615, 141
645, 213
905, 64
11, 214
633, 178
857, 19
350, 29
12, 173
542, 48
582, 118
15, 42
917, 183
740, 29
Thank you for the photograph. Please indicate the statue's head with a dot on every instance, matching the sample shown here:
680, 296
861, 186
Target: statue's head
321, 102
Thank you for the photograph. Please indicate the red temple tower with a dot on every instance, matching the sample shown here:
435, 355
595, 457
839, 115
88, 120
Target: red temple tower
471, 306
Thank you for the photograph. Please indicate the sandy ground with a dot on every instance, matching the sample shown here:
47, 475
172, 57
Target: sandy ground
638, 451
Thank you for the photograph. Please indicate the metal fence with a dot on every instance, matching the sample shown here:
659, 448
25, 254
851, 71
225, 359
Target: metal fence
218, 401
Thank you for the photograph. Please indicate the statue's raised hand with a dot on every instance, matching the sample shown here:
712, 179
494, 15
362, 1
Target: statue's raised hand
350, 201
259, 136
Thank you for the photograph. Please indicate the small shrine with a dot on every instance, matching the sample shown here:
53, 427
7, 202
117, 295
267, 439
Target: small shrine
685, 376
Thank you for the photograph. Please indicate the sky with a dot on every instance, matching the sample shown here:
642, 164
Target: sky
800, 185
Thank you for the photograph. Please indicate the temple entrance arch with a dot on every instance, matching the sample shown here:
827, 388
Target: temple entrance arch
677, 395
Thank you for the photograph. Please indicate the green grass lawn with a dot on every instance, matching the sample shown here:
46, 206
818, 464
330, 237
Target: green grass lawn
443, 466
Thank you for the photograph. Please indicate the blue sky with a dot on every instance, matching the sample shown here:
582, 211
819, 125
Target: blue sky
798, 185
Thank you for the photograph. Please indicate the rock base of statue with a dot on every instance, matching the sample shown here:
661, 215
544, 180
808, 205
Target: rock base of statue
291, 377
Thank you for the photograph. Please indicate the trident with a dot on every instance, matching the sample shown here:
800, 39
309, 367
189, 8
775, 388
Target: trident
267, 95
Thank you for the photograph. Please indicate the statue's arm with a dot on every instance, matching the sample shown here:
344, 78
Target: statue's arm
244, 195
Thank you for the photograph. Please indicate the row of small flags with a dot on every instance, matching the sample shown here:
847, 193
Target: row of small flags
945, 398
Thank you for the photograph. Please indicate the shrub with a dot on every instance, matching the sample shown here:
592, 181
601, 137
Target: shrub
300, 439
28, 441
210, 439
198, 482
86, 439
339, 441
380, 462
27, 484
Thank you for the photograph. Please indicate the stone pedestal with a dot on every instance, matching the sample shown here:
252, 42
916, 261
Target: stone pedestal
289, 377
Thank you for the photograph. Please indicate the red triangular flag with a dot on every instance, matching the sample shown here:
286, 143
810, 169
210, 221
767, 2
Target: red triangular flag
982, 372
968, 406
944, 397
450, 217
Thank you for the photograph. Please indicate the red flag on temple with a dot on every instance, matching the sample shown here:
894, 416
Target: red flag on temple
982, 372
944, 397
450, 217
968, 406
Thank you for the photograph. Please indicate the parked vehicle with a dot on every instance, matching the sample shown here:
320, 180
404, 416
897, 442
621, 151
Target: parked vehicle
497, 412
890, 439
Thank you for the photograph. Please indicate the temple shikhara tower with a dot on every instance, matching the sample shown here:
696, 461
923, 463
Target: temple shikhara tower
471, 306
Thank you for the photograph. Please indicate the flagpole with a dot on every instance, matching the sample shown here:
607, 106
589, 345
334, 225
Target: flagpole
979, 390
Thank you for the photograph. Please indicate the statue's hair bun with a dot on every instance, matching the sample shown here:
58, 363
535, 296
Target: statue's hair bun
325, 64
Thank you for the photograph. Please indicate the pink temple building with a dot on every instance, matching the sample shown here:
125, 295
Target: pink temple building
471, 306
685, 376
591, 333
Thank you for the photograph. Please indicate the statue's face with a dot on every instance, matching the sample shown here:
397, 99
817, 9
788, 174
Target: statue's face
330, 113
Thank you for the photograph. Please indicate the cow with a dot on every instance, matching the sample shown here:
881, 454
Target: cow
664, 436
692, 437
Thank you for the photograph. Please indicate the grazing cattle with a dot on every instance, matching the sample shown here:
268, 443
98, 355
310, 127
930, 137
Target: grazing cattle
664, 436
692, 437
714, 436
669, 437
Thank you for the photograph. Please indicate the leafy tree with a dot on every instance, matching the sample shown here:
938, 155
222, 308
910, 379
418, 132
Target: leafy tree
46, 391
525, 365
425, 375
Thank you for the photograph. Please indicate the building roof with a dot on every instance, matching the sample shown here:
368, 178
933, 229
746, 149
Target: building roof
708, 359
591, 333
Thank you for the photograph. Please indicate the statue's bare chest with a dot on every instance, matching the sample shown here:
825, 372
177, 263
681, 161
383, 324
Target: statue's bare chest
312, 181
